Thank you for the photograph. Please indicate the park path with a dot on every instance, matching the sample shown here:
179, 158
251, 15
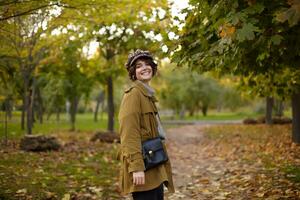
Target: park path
196, 174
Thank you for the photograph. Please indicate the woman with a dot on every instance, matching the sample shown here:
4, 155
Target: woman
138, 118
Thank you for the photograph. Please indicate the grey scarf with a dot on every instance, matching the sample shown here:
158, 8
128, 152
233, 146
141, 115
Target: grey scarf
160, 129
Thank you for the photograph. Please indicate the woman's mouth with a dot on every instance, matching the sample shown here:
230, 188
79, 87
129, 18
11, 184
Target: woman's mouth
145, 73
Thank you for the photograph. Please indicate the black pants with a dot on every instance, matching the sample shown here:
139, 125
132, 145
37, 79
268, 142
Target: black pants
155, 194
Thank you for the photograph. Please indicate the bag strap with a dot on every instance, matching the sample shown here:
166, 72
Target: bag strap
160, 130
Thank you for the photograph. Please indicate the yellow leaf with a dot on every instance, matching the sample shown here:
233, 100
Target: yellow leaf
66, 197
261, 194
21, 191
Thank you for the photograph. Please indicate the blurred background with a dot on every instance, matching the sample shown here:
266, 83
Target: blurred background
63, 75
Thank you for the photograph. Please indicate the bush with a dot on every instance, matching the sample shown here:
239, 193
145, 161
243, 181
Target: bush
262, 120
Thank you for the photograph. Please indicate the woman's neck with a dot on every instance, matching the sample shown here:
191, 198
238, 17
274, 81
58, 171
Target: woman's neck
145, 82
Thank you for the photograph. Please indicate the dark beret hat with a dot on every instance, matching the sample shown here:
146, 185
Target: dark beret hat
132, 57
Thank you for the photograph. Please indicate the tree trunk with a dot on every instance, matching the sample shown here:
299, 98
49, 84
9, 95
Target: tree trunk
99, 101
269, 108
102, 110
40, 115
48, 115
57, 115
32, 102
32, 112
96, 111
29, 113
10, 108
279, 108
110, 104
219, 107
182, 112
204, 110
27, 93
68, 112
296, 117
5, 122
40, 105
23, 112
73, 111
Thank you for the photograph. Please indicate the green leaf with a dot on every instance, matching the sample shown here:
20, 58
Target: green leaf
255, 9
246, 32
276, 39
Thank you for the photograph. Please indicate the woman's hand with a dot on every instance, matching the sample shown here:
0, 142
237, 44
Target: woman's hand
138, 178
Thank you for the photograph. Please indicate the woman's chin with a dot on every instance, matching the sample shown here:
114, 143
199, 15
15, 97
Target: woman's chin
146, 78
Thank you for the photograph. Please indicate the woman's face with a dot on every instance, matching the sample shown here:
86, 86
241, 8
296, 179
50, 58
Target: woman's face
143, 71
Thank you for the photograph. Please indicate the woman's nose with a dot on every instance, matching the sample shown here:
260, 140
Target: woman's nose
143, 66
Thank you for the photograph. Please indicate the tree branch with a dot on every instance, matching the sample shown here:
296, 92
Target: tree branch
28, 12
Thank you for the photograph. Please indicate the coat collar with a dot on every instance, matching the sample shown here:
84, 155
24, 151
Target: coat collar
141, 87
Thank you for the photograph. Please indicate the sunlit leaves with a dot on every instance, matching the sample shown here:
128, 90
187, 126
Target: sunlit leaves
227, 30
244, 38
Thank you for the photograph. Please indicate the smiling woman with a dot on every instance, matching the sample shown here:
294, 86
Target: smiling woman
139, 121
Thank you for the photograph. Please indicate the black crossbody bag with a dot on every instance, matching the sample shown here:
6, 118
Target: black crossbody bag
153, 153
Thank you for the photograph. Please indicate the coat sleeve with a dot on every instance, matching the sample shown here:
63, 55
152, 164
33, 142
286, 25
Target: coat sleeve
130, 129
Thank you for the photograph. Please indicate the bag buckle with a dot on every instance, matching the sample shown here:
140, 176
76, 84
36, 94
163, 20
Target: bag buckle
150, 153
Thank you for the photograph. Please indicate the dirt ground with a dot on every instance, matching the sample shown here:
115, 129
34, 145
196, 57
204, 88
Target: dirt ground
193, 170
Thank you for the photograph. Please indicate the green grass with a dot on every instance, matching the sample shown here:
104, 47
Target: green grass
292, 172
213, 115
84, 122
224, 116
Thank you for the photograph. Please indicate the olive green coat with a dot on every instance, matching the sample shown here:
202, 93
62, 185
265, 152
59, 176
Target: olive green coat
138, 123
